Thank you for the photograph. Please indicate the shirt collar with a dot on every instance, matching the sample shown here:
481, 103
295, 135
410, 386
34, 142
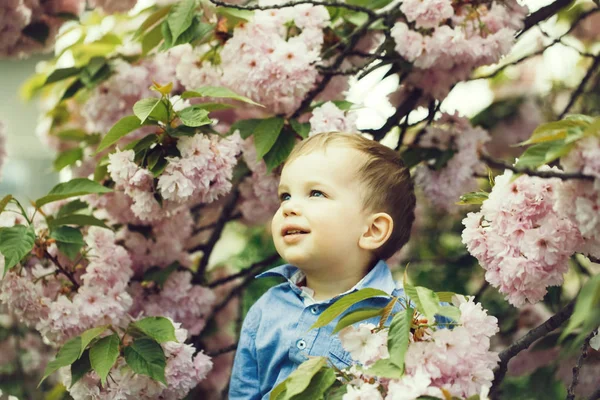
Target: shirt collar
379, 277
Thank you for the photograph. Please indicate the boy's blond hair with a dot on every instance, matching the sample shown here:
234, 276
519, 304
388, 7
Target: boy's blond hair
387, 181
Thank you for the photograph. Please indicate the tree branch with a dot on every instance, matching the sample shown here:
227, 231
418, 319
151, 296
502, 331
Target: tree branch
543, 14
524, 342
293, 3
401, 112
541, 174
214, 224
224, 350
62, 269
577, 367
246, 271
581, 86
215, 236
595, 395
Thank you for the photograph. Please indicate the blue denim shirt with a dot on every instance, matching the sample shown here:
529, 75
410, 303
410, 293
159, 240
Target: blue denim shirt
275, 337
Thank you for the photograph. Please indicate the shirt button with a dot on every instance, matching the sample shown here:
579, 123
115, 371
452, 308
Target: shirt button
301, 344
314, 310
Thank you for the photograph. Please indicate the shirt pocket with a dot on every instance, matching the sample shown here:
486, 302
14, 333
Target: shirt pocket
338, 356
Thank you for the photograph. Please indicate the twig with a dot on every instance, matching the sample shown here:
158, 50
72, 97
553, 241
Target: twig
540, 51
595, 395
246, 271
481, 290
541, 174
352, 7
542, 14
581, 86
395, 119
62, 269
584, 353
224, 350
353, 40
214, 224
215, 236
525, 341
594, 259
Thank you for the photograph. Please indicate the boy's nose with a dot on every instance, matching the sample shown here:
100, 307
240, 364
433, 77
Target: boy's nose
290, 208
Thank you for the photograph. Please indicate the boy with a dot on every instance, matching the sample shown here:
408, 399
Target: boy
347, 203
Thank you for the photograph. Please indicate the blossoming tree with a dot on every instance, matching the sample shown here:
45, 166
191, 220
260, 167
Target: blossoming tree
173, 119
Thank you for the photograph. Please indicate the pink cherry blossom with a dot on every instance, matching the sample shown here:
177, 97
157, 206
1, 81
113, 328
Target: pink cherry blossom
520, 238
329, 118
364, 345
427, 13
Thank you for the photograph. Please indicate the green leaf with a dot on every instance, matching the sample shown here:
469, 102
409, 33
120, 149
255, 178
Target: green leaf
167, 36
451, 312
4, 202
96, 71
76, 135
299, 380
89, 335
542, 153
71, 208
77, 219
180, 17
67, 158
426, 300
146, 357
103, 355
160, 275
152, 19
194, 116
384, 368
234, 14
553, 131
587, 301
318, 385
15, 243
473, 198
218, 92
74, 187
246, 127
69, 240
399, 336
301, 129
215, 106
151, 39
66, 356
281, 150
72, 89
151, 108
266, 135
445, 296
355, 316
158, 328
61, 73
341, 305
80, 367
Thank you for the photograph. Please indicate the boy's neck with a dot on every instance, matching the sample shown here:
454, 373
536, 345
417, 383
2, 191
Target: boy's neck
330, 282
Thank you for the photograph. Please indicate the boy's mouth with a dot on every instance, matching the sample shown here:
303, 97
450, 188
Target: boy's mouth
293, 231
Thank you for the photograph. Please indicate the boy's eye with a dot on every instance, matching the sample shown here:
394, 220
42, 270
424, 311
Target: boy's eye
317, 193
284, 196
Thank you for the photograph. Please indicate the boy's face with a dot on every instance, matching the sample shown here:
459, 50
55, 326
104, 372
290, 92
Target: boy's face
321, 217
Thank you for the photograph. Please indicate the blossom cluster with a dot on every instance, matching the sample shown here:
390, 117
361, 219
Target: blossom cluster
443, 53
101, 298
456, 360
444, 187
259, 199
520, 238
201, 175
265, 59
178, 299
183, 372
329, 118
17, 15
580, 200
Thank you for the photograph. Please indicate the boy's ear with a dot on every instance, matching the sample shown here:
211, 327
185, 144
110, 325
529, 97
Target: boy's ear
378, 231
